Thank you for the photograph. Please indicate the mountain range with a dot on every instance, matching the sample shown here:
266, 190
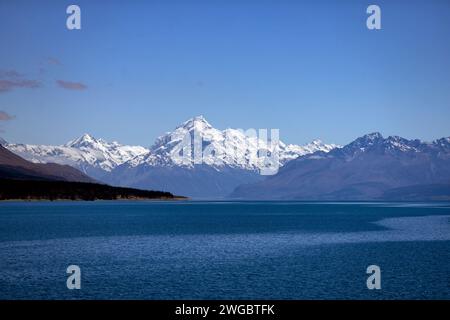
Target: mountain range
228, 158
94, 157
14, 167
369, 168
22, 179
202, 162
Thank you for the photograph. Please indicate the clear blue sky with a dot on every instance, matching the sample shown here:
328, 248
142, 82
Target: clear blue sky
136, 69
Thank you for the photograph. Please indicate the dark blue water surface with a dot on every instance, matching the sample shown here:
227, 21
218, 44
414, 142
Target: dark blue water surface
224, 250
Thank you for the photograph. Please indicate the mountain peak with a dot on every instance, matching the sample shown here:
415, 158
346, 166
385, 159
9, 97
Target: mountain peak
219, 148
200, 118
86, 136
362, 144
3, 141
367, 140
373, 136
317, 142
443, 142
84, 140
197, 122
374, 142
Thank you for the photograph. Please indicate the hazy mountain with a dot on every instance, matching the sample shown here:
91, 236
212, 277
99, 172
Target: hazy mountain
371, 167
14, 167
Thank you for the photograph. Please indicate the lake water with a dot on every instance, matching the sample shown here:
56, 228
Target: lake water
224, 250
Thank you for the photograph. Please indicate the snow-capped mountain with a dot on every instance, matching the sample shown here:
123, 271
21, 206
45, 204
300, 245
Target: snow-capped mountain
92, 156
195, 159
373, 143
201, 161
197, 142
369, 168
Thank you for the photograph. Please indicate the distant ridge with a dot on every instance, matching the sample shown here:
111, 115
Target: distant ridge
14, 167
92, 156
24, 180
369, 168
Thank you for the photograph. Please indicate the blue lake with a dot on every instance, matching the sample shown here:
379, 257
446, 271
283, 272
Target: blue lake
224, 250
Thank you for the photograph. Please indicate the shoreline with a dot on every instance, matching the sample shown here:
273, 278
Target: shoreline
57, 190
177, 198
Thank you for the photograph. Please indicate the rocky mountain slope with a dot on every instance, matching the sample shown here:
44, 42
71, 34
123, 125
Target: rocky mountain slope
370, 168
